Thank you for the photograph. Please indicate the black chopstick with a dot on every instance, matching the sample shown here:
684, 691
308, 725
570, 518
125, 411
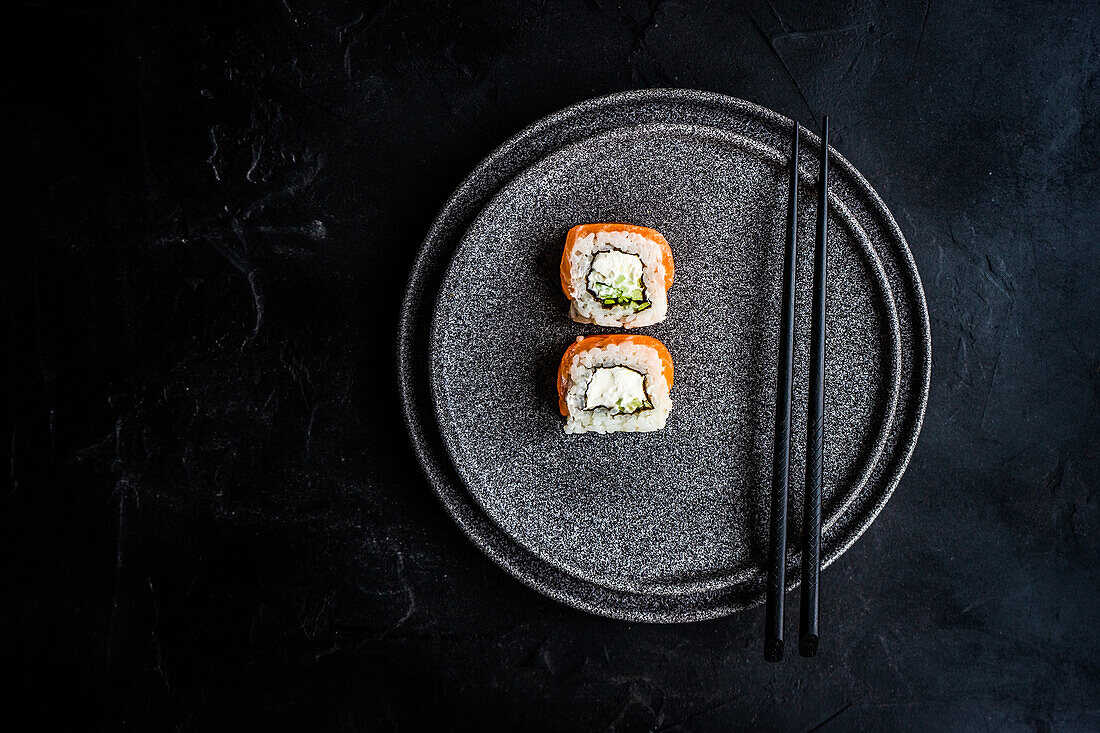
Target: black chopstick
777, 547
811, 517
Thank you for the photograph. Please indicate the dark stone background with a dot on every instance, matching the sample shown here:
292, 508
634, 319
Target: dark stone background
214, 519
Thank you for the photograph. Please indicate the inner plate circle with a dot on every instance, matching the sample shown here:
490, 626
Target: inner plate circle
686, 508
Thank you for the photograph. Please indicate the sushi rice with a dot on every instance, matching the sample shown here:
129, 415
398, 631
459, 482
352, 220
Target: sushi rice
646, 413
616, 278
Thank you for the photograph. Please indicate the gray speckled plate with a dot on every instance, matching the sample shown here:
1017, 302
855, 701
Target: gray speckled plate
664, 526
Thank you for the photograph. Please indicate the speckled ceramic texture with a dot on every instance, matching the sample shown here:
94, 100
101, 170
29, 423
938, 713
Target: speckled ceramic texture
684, 508
667, 526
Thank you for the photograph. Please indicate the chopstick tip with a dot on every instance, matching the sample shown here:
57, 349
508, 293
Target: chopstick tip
773, 650
807, 645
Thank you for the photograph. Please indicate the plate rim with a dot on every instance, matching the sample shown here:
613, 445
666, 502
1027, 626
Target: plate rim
637, 607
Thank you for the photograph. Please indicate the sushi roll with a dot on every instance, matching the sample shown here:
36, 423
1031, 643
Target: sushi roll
616, 275
608, 384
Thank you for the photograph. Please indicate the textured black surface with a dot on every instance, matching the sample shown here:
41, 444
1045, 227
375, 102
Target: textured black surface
214, 519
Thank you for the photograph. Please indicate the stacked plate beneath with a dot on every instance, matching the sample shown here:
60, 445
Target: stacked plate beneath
667, 526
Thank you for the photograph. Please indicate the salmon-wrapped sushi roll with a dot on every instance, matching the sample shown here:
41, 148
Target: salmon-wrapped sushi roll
616, 274
608, 384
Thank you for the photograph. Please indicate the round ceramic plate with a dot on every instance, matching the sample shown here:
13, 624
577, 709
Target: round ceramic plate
672, 525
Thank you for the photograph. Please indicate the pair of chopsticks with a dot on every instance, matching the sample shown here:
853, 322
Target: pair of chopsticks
811, 523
